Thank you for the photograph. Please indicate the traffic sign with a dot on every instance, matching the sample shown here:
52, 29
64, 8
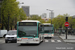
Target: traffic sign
66, 24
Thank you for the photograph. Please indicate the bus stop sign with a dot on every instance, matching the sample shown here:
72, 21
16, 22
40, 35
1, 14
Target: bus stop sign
66, 24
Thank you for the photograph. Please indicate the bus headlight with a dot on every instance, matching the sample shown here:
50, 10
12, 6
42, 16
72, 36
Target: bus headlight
19, 39
52, 34
36, 39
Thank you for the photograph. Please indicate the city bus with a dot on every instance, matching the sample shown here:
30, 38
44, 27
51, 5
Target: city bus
28, 31
48, 30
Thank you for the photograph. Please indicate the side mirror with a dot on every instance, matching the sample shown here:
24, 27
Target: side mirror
34, 35
40, 29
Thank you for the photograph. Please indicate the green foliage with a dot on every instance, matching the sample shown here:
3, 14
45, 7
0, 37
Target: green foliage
60, 20
49, 21
22, 15
35, 17
73, 23
10, 8
42, 21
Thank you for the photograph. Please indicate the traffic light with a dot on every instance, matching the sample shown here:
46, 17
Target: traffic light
66, 19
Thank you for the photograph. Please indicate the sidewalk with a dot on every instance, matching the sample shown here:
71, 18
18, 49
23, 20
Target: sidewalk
70, 38
2, 40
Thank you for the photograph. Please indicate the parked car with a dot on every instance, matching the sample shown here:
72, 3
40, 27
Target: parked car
11, 36
3, 33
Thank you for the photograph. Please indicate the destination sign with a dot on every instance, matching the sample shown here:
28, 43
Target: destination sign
27, 24
46, 25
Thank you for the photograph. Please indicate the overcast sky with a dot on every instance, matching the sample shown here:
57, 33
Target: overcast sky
59, 6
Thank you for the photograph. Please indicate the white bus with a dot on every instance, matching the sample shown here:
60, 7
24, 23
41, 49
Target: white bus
28, 31
48, 29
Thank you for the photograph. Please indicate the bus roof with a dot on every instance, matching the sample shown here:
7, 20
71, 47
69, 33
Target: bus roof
30, 21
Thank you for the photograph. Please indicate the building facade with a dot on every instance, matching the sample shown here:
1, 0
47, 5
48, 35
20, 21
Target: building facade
44, 15
26, 10
46, 19
51, 15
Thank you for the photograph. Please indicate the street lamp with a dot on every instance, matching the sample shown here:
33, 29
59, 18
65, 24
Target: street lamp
51, 14
21, 3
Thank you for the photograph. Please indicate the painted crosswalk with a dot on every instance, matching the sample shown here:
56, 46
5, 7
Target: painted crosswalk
52, 40
59, 40
45, 40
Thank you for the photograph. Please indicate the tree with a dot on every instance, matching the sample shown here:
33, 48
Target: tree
41, 20
22, 15
73, 25
10, 8
49, 21
35, 17
58, 21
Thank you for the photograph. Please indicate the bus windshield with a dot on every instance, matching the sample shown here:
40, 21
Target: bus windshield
27, 31
47, 28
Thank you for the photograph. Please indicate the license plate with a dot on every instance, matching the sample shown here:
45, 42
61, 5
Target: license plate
30, 39
45, 34
27, 39
10, 39
24, 39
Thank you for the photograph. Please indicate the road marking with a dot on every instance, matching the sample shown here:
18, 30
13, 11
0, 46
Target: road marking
46, 40
58, 40
52, 40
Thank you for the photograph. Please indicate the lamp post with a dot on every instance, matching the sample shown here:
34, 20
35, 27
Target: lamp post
51, 14
21, 3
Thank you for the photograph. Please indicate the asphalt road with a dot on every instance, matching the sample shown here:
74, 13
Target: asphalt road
49, 44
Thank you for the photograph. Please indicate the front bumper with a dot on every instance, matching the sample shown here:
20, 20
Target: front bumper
10, 39
27, 41
48, 35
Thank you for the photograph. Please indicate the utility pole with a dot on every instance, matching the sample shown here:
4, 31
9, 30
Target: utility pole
66, 24
8, 22
1, 1
52, 14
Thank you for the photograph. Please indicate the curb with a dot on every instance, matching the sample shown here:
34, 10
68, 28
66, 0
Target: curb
65, 39
61, 38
